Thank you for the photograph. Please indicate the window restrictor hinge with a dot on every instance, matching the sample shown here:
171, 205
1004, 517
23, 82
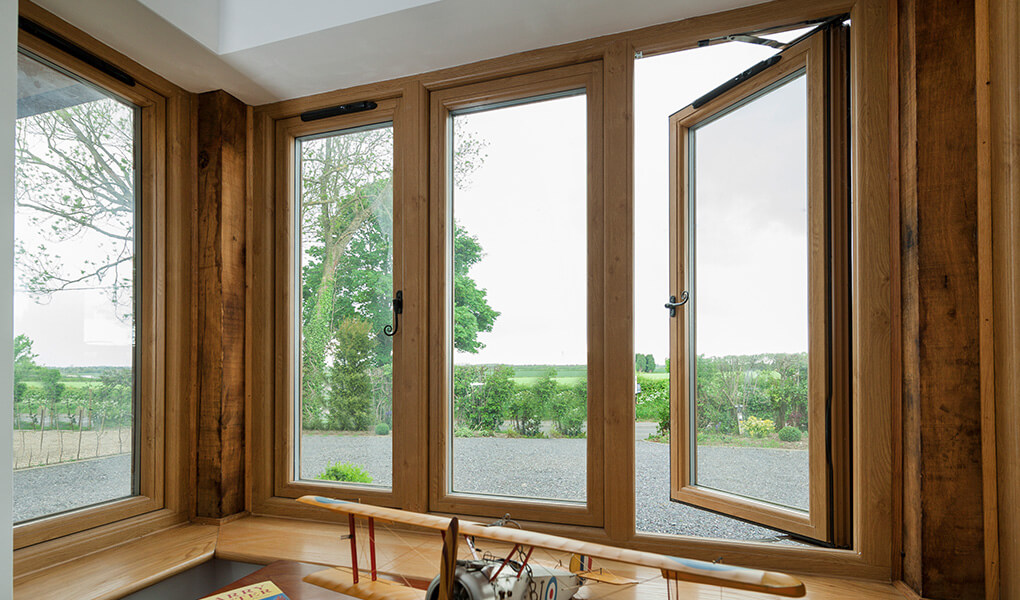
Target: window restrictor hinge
744, 37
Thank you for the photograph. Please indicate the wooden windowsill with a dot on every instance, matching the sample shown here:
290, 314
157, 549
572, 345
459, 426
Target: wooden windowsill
120, 570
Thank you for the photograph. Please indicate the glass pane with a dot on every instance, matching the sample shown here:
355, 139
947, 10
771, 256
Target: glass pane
519, 319
346, 282
750, 297
75, 219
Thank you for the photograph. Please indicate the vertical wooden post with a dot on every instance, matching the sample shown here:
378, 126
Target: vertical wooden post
222, 178
943, 539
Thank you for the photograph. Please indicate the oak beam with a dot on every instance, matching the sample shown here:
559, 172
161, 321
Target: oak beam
222, 182
943, 530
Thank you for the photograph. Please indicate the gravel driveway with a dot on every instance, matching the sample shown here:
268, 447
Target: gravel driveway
544, 468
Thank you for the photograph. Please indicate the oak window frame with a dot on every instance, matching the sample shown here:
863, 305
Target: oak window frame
286, 483
820, 58
874, 416
163, 242
444, 103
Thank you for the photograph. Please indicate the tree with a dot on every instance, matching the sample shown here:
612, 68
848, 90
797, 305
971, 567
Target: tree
24, 365
639, 363
569, 409
471, 311
347, 273
649, 363
75, 179
350, 394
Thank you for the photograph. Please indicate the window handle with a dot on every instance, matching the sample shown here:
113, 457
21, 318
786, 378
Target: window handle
672, 304
398, 307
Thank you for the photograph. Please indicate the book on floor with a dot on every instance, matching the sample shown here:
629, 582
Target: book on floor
264, 590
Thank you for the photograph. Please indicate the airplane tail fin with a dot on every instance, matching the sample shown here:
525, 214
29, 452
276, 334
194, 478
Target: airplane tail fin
579, 562
582, 566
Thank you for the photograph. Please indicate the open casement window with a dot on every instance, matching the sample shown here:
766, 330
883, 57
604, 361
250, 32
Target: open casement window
759, 220
515, 168
342, 275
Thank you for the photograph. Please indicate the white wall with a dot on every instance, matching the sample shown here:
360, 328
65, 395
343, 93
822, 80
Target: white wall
8, 103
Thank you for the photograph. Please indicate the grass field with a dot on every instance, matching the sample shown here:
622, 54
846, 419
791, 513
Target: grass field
75, 384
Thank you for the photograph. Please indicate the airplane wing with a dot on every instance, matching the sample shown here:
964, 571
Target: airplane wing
682, 569
339, 579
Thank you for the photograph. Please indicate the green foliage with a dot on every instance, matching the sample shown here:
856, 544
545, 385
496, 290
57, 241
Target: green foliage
667, 365
471, 311
649, 363
481, 396
759, 428
525, 413
569, 409
350, 393
639, 363
654, 393
339, 471
382, 429
789, 434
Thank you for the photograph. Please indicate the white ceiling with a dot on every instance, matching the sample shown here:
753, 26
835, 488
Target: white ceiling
266, 50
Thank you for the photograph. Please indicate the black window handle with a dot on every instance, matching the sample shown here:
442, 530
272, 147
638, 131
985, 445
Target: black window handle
672, 304
398, 307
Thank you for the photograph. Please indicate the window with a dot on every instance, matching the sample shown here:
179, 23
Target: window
88, 391
516, 406
759, 347
345, 226
74, 302
343, 274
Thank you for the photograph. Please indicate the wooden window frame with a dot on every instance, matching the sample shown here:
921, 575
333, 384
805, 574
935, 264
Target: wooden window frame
286, 484
494, 92
165, 244
150, 266
827, 284
874, 416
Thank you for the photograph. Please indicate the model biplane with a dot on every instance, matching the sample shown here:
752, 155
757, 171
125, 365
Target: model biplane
516, 575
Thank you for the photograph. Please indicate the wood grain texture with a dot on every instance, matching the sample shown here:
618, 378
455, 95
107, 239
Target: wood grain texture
986, 290
1004, 232
943, 497
122, 569
617, 245
222, 185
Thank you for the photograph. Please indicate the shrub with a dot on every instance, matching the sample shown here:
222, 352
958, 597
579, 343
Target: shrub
759, 428
382, 429
349, 401
789, 434
345, 472
569, 410
525, 412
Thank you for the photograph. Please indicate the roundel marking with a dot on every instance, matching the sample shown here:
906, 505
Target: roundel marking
550, 590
